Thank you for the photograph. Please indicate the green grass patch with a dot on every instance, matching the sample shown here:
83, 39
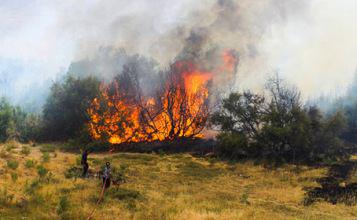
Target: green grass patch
12, 164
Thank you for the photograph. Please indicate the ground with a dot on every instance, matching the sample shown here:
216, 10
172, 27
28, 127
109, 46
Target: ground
159, 186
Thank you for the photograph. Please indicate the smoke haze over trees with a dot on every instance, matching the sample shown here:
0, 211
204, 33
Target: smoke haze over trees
43, 40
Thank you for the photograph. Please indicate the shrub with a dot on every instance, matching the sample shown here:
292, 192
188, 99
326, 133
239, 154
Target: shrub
279, 129
244, 198
45, 157
73, 172
63, 205
232, 146
14, 176
30, 163
31, 188
41, 171
25, 150
12, 164
98, 146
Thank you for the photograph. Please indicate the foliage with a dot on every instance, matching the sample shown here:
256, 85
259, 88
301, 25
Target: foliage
14, 176
73, 172
16, 124
12, 164
45, 157
64, 112
63, 205
30, 163
278, 129
233, 145
32, 187
41, 171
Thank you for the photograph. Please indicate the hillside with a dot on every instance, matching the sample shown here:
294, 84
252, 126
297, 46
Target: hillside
159, 186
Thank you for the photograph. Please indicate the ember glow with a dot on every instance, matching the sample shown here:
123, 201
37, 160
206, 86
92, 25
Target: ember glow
179, 109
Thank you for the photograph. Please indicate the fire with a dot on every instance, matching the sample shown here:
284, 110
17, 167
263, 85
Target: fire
179, 110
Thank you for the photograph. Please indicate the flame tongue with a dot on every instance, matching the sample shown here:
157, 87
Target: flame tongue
179, 110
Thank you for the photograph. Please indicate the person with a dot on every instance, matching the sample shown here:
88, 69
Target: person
84, 163
106, 175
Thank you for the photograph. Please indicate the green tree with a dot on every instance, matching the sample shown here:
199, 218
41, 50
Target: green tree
6, 114
65, 111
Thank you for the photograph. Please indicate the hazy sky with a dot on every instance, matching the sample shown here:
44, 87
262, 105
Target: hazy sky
311, 42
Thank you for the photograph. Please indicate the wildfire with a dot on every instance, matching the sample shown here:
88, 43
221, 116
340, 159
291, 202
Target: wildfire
179, 110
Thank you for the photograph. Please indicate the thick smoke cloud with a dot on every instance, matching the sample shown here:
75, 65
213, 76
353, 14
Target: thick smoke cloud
310, 42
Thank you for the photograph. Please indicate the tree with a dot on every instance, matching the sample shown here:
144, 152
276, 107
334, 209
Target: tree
124, 113
285, 133
278, 129
6, 114
65, 111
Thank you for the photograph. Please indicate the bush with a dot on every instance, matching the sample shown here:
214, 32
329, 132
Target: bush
98, 146
14, 176
232, 146
12, 164
41, 171
32, 187
278, 130
25, 150
30, 163
45, 157
74, 145
65, 110
73, 172
63, 205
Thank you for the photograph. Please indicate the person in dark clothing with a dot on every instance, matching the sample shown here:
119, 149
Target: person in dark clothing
85, 163
106, 175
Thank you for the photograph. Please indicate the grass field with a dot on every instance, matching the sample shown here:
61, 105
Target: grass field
176, 186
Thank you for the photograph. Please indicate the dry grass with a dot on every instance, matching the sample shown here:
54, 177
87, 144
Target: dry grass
175, 186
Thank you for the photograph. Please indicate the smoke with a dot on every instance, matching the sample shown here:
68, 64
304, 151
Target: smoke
309, 42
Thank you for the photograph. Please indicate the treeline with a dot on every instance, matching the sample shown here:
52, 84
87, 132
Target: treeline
17, 124
276, 126
279, 128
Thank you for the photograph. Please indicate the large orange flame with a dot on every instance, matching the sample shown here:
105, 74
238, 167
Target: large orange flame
180, 110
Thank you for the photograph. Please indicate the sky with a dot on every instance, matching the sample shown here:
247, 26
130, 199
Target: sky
311, 43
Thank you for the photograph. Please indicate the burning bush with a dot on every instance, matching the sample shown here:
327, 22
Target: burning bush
178, 109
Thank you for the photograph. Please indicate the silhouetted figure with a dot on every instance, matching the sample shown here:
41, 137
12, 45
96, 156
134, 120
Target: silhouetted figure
85, 163
106, 175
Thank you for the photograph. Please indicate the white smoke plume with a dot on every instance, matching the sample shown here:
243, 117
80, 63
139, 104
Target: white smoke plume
310, 42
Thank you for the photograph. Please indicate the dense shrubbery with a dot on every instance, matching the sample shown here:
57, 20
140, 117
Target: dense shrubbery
279, 129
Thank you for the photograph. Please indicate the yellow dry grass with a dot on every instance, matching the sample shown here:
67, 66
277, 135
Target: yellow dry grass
176, 186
